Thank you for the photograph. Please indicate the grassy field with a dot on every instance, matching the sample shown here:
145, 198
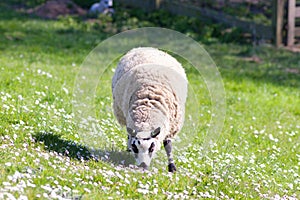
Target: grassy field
257, 155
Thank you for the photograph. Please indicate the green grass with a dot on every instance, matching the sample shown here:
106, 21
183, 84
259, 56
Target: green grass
256, 156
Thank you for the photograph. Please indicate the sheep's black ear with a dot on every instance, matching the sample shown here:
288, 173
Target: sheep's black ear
131, 132
155, 132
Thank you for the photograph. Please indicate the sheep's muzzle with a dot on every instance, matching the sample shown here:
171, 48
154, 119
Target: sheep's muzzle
144, 166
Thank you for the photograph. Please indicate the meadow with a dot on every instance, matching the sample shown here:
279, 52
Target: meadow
42, 156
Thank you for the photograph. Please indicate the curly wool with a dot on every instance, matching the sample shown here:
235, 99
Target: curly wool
149, 90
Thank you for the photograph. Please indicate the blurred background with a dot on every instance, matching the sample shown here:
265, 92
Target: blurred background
262, 21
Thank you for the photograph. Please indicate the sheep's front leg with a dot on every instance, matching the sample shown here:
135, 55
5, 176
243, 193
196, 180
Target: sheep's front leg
168, 148
128, 143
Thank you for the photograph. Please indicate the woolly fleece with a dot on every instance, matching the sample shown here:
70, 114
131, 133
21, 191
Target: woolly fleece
149, 90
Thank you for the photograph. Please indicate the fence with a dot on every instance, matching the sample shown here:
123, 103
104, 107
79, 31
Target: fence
280, 30
293, 30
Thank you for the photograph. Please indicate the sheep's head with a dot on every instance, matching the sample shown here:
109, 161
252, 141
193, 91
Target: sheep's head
143, 148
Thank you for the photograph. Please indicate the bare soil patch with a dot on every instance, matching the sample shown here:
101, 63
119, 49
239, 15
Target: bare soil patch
54, 8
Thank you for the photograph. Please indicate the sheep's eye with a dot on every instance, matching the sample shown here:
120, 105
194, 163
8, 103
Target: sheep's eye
134, 148
151, 148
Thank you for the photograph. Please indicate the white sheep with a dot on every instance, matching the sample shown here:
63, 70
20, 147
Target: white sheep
104, 6
149, 91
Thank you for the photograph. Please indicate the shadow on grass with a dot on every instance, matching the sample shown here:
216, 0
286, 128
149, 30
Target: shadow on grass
68, 148
259, 64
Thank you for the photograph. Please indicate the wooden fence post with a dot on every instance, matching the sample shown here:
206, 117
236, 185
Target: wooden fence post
158, 4
277, 21
291, 23
155, 4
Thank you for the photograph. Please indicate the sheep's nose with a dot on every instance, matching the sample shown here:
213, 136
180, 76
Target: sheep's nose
143, 165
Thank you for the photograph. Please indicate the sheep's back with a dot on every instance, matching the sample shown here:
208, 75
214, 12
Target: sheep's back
145, 55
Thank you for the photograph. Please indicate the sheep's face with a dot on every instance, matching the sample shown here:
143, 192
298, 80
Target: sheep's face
143, 148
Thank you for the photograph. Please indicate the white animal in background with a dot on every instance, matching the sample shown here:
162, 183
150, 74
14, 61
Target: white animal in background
104, 6
149, 93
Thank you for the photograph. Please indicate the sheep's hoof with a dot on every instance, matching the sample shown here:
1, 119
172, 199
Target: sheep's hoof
172, 167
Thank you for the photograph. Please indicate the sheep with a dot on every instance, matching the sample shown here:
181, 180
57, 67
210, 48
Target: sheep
104, 6
149, 90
